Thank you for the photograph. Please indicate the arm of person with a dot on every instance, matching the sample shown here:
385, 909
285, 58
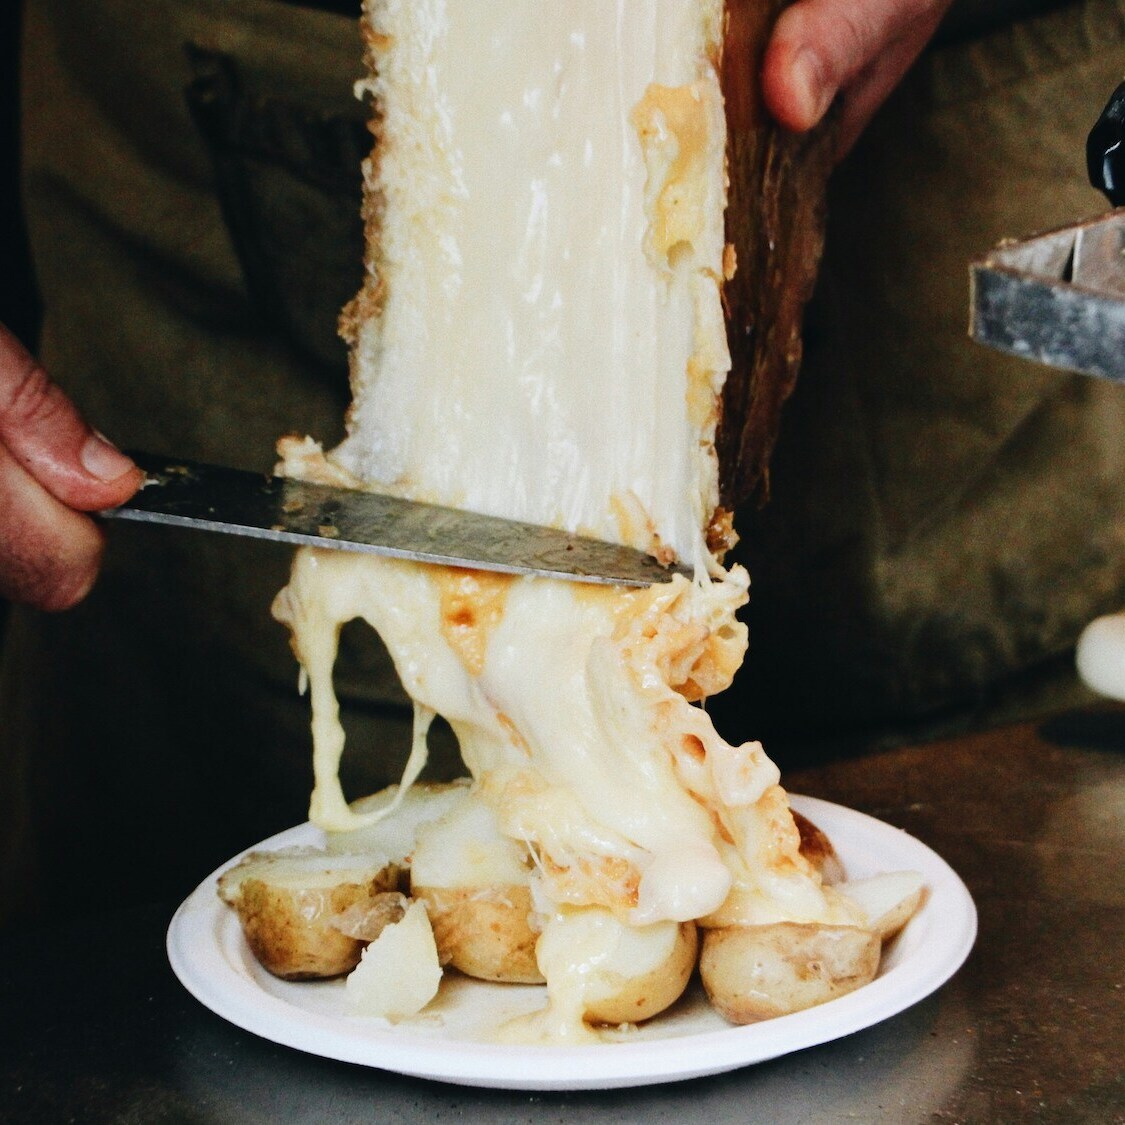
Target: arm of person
855, 49
53, 469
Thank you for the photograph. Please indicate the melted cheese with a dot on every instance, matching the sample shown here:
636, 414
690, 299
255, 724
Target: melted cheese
466, 849
577, 728
541, 337
553, 266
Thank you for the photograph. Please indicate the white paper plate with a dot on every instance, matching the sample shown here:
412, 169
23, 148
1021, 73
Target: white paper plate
448, 1041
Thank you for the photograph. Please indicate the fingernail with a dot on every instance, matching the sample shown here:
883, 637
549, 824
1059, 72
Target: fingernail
102, 459
808, 86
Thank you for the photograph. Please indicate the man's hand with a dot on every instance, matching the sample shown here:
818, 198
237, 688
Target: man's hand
53, 468
858, 49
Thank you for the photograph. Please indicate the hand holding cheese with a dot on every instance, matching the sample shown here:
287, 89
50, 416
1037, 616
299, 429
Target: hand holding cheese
53, 468
859, 49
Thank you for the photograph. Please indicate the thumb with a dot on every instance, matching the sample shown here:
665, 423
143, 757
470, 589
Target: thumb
46, 435
49, 553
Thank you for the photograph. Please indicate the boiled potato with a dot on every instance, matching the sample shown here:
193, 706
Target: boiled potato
484, 932
399, 973
757, 972
307, 915
630, 996
601, 970
475, 883
888, 900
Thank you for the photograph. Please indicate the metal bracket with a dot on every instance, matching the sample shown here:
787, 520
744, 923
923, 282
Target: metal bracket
1057, 298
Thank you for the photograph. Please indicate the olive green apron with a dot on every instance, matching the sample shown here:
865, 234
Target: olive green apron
942, 518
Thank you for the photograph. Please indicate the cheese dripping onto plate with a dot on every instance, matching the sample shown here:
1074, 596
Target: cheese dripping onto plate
541, 336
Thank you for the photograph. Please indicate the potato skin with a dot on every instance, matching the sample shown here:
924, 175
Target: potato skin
291, 933
818, 850
484, 931
754, 973
641, 998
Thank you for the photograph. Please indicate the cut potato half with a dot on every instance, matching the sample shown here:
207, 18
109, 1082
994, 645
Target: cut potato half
889, 900
399, 973
474, 881
604, 971
484, 931
755, 973
632, 997
301, 909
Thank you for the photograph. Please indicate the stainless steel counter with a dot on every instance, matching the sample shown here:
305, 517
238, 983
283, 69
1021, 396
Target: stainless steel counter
96, 1028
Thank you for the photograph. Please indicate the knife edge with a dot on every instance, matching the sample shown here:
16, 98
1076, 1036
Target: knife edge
203, 497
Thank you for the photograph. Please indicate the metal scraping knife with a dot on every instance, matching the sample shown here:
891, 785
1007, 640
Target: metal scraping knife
235, 502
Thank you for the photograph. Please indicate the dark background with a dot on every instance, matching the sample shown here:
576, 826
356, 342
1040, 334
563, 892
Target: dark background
19, 306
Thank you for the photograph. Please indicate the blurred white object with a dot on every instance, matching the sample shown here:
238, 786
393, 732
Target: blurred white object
1101, 655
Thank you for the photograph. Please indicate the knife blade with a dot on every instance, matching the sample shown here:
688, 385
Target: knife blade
206, 497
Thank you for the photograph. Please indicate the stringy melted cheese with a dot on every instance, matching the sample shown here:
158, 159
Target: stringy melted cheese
541, 337
576, 727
